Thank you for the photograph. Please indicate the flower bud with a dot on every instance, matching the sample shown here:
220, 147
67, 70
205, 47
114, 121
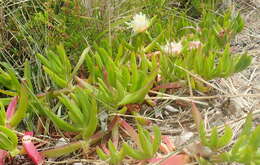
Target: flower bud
140, 23
172, 48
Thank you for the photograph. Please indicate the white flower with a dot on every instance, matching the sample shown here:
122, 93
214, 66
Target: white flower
172, 48
194, 45
140, 23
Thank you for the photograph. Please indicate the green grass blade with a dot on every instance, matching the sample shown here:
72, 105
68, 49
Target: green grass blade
157, 139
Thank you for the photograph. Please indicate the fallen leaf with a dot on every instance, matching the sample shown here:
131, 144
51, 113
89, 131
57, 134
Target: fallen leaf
180, 159
196, 115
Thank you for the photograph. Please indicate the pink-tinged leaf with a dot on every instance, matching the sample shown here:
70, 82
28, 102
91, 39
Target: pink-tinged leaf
168, 142
31, 149
180, 159
11, 108
130, 130
196, 115
164, 148
103, 146
3, 154
154, 160
28, 133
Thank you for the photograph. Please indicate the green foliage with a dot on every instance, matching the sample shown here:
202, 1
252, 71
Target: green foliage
246, 147
148, 146
8, 140
57, 66
119, 83
212, 57
20, 112
2, 115
215, 142
8, 79
114, 157
11, 81
20, 90
82, 113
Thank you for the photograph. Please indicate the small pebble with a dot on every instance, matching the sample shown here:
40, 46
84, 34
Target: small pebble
78, 163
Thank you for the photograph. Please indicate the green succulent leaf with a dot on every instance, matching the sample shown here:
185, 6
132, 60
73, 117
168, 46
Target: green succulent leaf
74, 110
225, 138
101, 154
5, 142
57, 79
80, 62
240, 142
93, 120
60, 123
2, 114
248, 125
133, 153
43, 60
64, 58
213, 138
139, 95
254, 139
8, 139
145, 142
22, 107
202, 134
9, 78
27, 74
157, 139
243, 62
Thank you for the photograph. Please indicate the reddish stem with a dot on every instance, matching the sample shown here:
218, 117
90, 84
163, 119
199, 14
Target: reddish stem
103, 146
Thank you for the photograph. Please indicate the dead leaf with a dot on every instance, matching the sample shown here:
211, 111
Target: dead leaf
180, 159
196, 115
